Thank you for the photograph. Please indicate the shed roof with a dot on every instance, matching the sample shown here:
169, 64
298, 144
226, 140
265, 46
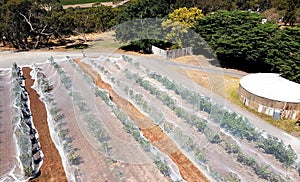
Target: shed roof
271, 86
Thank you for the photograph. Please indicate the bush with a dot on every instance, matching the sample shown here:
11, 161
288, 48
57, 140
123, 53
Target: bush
27, 171
216, 139
74, 158
163, 167
285, 155
232, 148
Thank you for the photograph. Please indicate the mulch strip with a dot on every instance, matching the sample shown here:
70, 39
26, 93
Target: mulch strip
52, 169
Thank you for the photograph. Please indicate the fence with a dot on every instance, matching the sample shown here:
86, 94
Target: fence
172, 53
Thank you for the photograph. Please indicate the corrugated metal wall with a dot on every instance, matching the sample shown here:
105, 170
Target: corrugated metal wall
269, 107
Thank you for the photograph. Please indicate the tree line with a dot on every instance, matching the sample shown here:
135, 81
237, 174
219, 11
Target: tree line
286, 10
244, 40
31, 24
238, 38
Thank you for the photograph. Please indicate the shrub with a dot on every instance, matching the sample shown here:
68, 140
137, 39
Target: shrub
163, 167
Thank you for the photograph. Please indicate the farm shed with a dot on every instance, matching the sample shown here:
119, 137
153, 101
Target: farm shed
271, 94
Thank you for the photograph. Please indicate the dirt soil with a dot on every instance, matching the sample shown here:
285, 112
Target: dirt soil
52, 169
88, 5
153, 133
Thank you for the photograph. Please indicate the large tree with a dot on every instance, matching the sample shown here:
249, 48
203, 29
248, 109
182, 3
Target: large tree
178, 26
139, 9
141, 34
238, 38
283, 53
94, 19
26, 24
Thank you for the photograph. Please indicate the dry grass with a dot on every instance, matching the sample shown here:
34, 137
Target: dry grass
187, 60
217, 83
196, 60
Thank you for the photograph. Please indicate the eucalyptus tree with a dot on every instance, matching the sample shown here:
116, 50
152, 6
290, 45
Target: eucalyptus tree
29, 24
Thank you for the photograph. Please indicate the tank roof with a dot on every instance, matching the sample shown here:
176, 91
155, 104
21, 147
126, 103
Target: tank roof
271, 86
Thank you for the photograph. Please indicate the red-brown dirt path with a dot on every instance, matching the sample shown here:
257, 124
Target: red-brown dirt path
153, 133
52, 169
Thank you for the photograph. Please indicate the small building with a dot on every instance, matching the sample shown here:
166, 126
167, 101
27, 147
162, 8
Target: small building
271, 94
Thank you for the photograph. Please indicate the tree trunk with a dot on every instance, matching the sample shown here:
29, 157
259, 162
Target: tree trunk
2, 40
36, 46
21, 44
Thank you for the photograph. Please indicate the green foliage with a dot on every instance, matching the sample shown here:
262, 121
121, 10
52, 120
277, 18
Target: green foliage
232, 148
178, 24
64, 133
197, 100
240, 40
261, 170
236, 125
232, 177
90, 119
186, 16
239, 126
144, 45
139, 24
89, 20
176, 31
22, 129
199, 155
139, 9
282, 6
29, 24
285, 155
167, 100
237, 37
27, 171
163, 167
74, 158
283, 53
145, 144
141, 34
216, 139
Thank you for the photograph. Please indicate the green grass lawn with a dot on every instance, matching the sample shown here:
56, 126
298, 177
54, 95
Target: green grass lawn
72, 2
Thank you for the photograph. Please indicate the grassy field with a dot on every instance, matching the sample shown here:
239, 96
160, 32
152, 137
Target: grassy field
72, 2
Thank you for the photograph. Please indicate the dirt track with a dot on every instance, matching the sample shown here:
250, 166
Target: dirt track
89, 5
52, 169
152, 132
